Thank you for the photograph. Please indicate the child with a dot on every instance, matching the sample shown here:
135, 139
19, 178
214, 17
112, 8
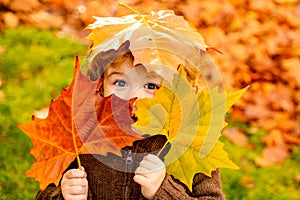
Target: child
139, 173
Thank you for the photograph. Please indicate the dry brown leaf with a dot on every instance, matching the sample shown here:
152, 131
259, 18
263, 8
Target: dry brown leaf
43, 19
274, 138
272, 155
247, 181
10, 19
292, 66
24, 5
297, 178
236, 136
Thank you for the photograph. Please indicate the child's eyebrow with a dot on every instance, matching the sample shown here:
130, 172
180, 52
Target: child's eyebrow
115, 73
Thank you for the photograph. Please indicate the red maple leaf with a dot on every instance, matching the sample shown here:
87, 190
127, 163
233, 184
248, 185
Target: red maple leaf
79, 121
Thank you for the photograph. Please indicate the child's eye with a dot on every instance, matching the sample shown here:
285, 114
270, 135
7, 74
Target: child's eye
121, 83
151, 86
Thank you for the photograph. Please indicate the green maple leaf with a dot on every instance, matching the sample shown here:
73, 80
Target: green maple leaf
192, 124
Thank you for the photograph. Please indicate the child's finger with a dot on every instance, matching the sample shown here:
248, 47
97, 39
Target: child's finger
141, 171
148, 165
76, 181
152, 163
153, 158
75, 197
140, 179
75, 173
76, 190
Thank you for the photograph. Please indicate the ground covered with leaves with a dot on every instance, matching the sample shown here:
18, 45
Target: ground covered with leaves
261, 48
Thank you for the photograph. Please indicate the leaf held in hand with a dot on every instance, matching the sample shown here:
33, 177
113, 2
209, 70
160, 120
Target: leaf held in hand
192, 124
101, 126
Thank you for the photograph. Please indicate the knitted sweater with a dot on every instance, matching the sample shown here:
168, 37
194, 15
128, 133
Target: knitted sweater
111, 177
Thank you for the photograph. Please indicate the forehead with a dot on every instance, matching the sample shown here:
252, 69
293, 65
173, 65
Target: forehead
120, 68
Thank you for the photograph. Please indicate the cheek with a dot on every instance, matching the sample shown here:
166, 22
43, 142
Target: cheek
121, 92
149, 93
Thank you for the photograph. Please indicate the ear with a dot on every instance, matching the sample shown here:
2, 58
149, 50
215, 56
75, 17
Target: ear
100, 88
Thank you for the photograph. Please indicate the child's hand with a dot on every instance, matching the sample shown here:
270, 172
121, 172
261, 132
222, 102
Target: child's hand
74, 185
150, 175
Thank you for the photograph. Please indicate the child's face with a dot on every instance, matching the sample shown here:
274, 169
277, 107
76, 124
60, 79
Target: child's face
128, 82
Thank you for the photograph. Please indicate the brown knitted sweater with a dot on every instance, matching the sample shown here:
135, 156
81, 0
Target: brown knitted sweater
111, 177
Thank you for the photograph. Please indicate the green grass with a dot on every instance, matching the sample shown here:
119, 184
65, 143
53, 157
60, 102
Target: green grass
34, 67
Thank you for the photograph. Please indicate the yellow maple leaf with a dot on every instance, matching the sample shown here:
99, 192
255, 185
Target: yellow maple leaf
192, 124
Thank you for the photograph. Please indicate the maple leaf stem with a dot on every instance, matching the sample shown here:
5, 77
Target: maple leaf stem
120, 3
77, 65
162, 149
75, 146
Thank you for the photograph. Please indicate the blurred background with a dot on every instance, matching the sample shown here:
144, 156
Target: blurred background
260, 45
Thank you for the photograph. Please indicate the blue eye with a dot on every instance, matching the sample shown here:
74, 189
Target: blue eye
121, 83
151, 86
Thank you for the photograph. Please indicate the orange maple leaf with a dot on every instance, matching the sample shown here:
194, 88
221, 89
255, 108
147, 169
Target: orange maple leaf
79, 121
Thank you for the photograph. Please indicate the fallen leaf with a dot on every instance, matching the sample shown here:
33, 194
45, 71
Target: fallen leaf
297, 178
247, 181
274, 138
236, 136
46, 20
2, 50
2, 96
24, 5
273, 155
292, 65
10, 19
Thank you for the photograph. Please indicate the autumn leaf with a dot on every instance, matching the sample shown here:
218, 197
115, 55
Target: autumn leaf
192, 124
164, 20
100, 125
158, 40
51, 151
105, 125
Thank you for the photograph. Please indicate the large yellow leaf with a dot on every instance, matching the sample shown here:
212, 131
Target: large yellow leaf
192, 124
